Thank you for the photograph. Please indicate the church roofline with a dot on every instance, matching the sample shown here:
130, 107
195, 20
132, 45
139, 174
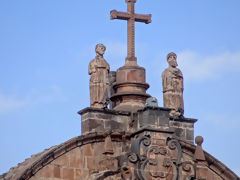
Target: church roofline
32, 165
211, 161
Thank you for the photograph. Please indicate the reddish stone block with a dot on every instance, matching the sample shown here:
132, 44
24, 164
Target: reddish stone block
68, 174
61, 161
35, 178
136, 76
98, 149
77, 161
203, 173
91, 163
120, 76
46, 172
77, 173
87, 150
81, 174
56, 172
108, 163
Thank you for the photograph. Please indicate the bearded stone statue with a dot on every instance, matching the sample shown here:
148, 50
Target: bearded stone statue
99, 81
172, 82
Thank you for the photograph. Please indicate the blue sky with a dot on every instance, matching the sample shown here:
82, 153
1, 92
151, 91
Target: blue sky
45, 48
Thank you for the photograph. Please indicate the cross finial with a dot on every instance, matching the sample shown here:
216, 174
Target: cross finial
131, 17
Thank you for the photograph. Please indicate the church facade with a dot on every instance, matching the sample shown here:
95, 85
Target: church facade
125, 134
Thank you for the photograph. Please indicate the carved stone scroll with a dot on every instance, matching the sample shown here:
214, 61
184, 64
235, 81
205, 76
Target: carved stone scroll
154, 161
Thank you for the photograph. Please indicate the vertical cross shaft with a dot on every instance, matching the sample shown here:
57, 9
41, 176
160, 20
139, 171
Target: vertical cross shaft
131, 17
131, 32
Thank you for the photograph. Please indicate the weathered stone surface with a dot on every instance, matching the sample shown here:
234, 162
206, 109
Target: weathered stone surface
159, 119
160, 147
130, 89
112, 81
151, 102
108, 146
199, 154
183, 128
68, 174
48, 172
96, 120
189, 135
57, 172
61, 161
93, 125
172, 82
153, 116
99, 81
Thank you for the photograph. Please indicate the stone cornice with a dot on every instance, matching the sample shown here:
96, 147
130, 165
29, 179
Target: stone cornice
31, 166
107, 111
223, 170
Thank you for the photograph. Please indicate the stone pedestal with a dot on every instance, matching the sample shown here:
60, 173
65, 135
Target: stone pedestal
154, 119
101, 120
158, 119
130, 88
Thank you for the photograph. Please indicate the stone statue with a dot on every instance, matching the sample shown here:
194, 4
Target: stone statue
172, 81
99, 81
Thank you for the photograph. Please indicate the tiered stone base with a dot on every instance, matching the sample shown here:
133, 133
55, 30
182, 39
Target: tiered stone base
130, 89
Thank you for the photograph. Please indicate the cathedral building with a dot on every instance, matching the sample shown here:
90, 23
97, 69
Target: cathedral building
125, 134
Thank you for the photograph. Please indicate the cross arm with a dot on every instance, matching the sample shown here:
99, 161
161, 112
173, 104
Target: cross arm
119, 15
143, 18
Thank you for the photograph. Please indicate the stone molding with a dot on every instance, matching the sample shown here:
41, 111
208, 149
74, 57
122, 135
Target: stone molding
106, 111
31, 166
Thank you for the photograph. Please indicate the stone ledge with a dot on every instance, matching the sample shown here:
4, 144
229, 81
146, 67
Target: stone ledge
25, 170
152, 129
107, 111
101, 120
187, 120
155, 108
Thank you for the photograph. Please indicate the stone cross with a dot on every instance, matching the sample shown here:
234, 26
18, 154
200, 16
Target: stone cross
131, 17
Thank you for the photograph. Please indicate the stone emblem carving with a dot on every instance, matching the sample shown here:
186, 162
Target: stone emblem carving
99, 81
150, 157
154, 161
172, 82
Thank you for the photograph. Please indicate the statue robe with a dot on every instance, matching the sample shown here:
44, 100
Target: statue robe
99, 82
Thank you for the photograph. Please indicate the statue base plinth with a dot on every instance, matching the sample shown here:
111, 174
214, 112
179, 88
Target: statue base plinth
130, 88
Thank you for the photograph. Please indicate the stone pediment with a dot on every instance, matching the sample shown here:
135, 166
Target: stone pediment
146, 157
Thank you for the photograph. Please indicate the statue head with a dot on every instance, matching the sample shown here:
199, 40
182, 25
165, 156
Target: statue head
100, 49
172, 59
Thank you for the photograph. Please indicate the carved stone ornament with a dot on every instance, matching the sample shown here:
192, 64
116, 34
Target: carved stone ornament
102, 175
126, 172
99, 81
151, 102
172, 82
153, 161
